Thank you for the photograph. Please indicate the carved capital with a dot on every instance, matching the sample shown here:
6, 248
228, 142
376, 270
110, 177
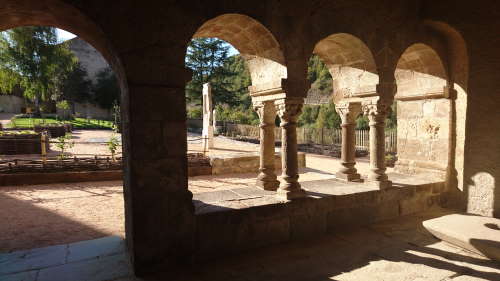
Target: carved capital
348, 111
376, 111
289, 109
266, 112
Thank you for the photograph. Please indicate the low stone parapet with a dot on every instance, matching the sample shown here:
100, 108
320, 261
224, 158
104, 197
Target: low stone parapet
249, 218
247, 163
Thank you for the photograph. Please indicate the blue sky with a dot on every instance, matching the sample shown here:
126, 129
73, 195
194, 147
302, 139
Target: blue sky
63, 35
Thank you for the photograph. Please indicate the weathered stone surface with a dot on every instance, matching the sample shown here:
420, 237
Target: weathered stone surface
146, 43
474, 233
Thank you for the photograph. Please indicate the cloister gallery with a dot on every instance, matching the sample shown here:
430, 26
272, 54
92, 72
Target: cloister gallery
439, 60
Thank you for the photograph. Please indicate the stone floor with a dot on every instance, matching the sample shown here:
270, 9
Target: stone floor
398, 250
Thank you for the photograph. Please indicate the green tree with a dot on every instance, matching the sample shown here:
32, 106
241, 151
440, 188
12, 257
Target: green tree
206, 58
319, 76
106, 91
328, 117
31, 58
77, 87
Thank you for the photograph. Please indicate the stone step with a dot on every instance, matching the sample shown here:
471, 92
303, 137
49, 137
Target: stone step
474, 233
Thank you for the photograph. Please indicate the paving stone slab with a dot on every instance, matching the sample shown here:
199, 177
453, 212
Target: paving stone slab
475, 233
100, 269
216, 196
34, 259
21, 276
90, 249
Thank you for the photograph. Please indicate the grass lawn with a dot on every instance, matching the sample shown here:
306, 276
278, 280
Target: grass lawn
78, 123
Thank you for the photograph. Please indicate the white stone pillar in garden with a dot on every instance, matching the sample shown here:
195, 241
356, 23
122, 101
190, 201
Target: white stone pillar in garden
208, 128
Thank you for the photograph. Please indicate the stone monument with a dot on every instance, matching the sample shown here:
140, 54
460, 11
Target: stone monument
208, 128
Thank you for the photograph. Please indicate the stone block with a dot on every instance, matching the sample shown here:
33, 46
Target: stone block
475, 233
32, 259
97, 248
410, 109
107, 268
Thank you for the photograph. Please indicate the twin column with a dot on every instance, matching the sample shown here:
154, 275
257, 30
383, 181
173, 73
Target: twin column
288, 110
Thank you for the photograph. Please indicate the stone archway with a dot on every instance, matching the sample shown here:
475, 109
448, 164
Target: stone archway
268, 71
351, 65
424, 110
54, 13
356, 89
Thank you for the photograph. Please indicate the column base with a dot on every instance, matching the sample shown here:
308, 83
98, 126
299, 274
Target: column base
286, 194
349, 177
272, 185
380, 184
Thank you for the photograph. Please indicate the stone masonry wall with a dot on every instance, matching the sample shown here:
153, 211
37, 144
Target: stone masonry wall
423, 136
11, 104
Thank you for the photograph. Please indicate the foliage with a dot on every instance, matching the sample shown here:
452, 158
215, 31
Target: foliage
78, 123
195, 113
17, 133
31, 58
240, 114
113, 144
319, 76
328, 117
77, 86
64, 143
206, 58
106, 90
63, 105
392, 118
309, 115
362, 123
320, 116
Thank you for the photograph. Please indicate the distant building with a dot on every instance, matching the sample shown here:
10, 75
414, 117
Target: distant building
90, 59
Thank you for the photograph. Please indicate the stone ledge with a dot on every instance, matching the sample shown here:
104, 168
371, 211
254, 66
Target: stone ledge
245, 163
242, 221
474, 233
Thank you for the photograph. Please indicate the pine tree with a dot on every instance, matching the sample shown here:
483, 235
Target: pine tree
206, 58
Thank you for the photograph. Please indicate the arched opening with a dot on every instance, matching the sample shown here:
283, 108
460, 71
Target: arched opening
351, 66
424, 110
343, 74
237, 67
33, 215
59, 95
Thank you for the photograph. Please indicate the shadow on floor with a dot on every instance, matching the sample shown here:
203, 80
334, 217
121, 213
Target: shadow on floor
400, 249
26, 226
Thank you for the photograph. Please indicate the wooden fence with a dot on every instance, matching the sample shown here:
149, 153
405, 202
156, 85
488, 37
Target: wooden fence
322, 136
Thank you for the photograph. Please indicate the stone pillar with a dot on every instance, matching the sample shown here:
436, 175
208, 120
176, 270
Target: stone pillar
348, 112
208, 128
288, 111
267, 113
377, 112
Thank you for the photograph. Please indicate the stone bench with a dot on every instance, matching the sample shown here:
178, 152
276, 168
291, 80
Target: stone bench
474, 233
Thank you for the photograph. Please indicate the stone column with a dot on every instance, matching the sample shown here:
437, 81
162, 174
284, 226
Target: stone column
267, 113
377, 112
348, 112
208, 128
288, 111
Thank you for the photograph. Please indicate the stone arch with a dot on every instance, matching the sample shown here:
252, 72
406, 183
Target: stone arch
420, 71
351, 65
55, 13
458, 70
424, 130
255, 42
64, 16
